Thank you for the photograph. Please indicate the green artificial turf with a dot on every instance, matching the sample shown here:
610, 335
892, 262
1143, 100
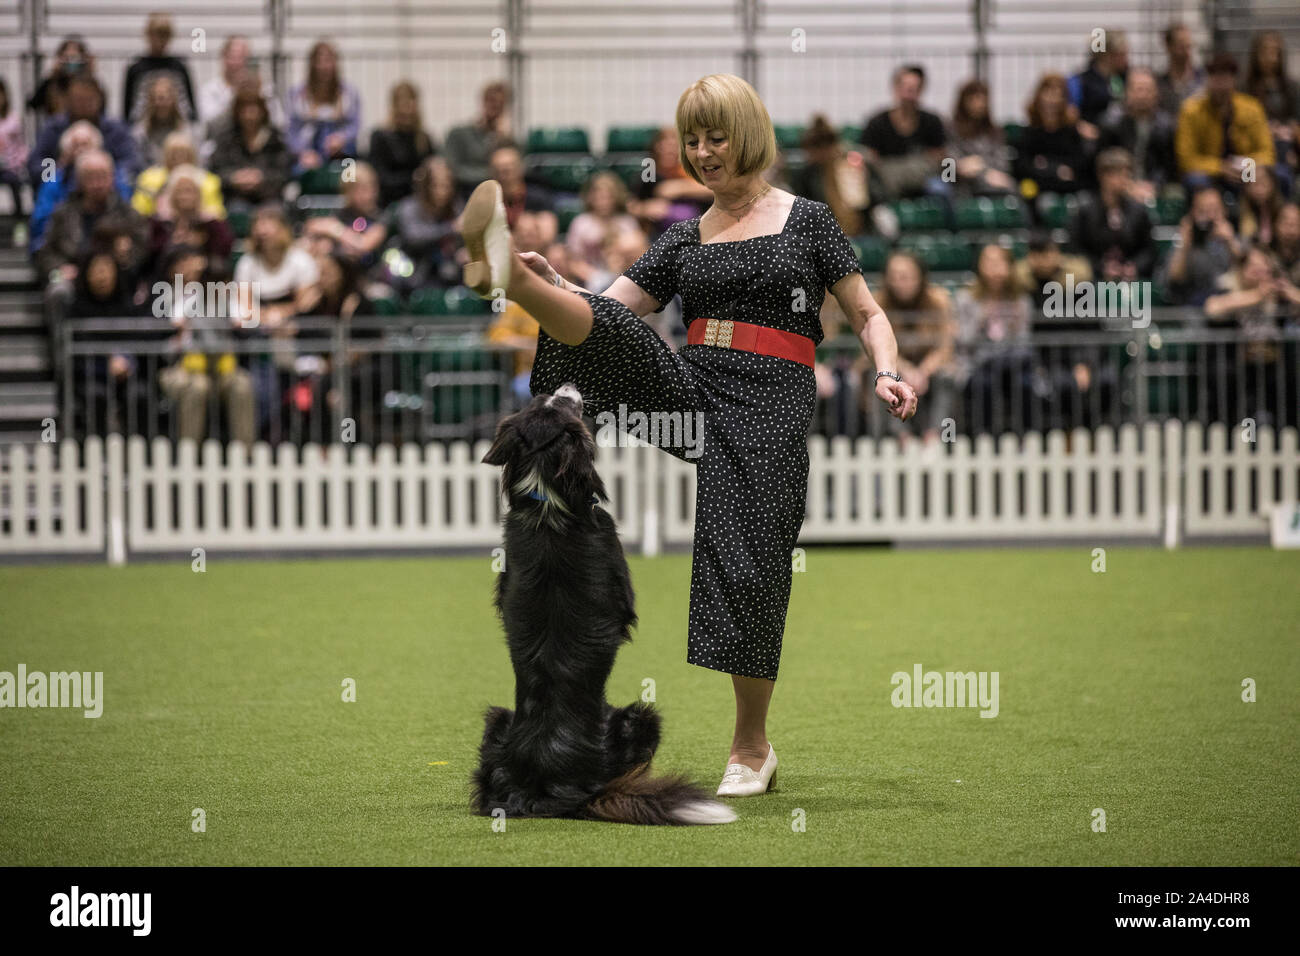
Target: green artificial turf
1119, 691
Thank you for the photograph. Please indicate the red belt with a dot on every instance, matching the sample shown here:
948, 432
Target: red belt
730, 334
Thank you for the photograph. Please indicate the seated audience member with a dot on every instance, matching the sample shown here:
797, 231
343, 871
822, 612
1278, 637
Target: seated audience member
1044, 263
13, 148
178, 150
1207, 248
993, 328
517, 330
250, 155
85, 101
923, 317
833, 175
1053, 156
182, 219
80, 137
666, 193
157, 34
162, 118
905, 142
604, 200
398, 149
1092, 91
469, 146
103, 291
1268, 80
216, 95
205, 363
72, 58
423, 232
358, 228
1182, 77
983, 161
1259, 300
1204, 156
1258, 208
1146, 132
324, 112
521, 196
1112, 228
1286, 241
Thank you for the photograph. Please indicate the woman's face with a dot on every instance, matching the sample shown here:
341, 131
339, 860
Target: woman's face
1287, 228
977, 104
1257, 268
993, 267
404, 108
325, 63
101, 275
271, 234
902, 279
601, 197
1270, 54
162, 97
250, 115
708, 151
442, 185
185, 196
1051, 101
364, 193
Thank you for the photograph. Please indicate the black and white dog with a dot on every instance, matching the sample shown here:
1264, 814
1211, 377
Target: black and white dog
565, 598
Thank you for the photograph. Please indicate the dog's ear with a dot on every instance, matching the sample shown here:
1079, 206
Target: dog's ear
505, 444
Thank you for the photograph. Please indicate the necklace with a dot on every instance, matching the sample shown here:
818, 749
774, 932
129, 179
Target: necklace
761, 192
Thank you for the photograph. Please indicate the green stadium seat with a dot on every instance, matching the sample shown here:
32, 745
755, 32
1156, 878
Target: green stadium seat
324, 180
456, 301
1057, 210
872, 252
628, 170
851, 134
976, 214
788, 136
630, 139
567, 209
563, 175
557, 139
1013, 133
1010, 213
1168, 211
914, 214
387, 305
241, 223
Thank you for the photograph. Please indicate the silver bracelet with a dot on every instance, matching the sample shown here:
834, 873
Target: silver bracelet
894, 375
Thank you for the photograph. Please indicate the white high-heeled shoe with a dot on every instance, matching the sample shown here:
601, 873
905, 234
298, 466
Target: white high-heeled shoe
742, 781
487, 240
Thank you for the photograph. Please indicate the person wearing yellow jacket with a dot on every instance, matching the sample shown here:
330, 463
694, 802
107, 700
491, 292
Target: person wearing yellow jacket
1223, 135
178, 150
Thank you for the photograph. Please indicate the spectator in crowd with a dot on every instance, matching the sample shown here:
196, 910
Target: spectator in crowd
424, 245
71, 59
1044, 263
141, 72
13, 148
162, 117
398, 149
469, 146
85, 101
619, 249
216, 95
324, 112
993, 328
1207, 248
1257, 211
1269, 82
923, 317
1259, 300
275, 279
1092, 91
1205, 154
1285, 245
358, 229
604, 199
1141, 128
103, 291
522, 197
205, 363
833, 175
516, 330
1053, 155
905, 143
666, 193
1182, 77
983, 159
80, 137
182, 219
178, 150
1111, 227
250, 155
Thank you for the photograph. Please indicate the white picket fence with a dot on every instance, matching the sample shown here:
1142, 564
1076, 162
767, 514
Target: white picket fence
121, 497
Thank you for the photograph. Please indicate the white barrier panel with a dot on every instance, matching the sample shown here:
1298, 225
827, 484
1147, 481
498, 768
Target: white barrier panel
50, 501
1232, 485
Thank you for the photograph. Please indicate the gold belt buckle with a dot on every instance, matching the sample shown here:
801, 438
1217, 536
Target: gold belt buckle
718, 332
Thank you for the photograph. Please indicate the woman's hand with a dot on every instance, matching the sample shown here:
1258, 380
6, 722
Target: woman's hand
537, 263
899, 396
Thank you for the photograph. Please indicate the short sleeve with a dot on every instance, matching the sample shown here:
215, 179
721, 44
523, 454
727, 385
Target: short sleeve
657, 271
832, 252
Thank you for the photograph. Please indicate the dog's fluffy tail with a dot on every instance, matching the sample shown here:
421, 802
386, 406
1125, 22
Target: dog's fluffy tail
637, 797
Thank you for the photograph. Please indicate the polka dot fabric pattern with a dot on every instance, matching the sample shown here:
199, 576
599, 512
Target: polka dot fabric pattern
752, 476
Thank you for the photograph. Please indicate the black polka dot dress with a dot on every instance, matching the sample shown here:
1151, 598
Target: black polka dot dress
752, 474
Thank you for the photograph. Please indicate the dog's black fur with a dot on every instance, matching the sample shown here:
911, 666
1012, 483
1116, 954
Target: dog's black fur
565, 598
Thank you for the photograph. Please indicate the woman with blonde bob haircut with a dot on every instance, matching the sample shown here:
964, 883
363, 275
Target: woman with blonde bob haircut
752, 272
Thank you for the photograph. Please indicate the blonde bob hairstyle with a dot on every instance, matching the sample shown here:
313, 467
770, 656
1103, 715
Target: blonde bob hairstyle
726, 102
